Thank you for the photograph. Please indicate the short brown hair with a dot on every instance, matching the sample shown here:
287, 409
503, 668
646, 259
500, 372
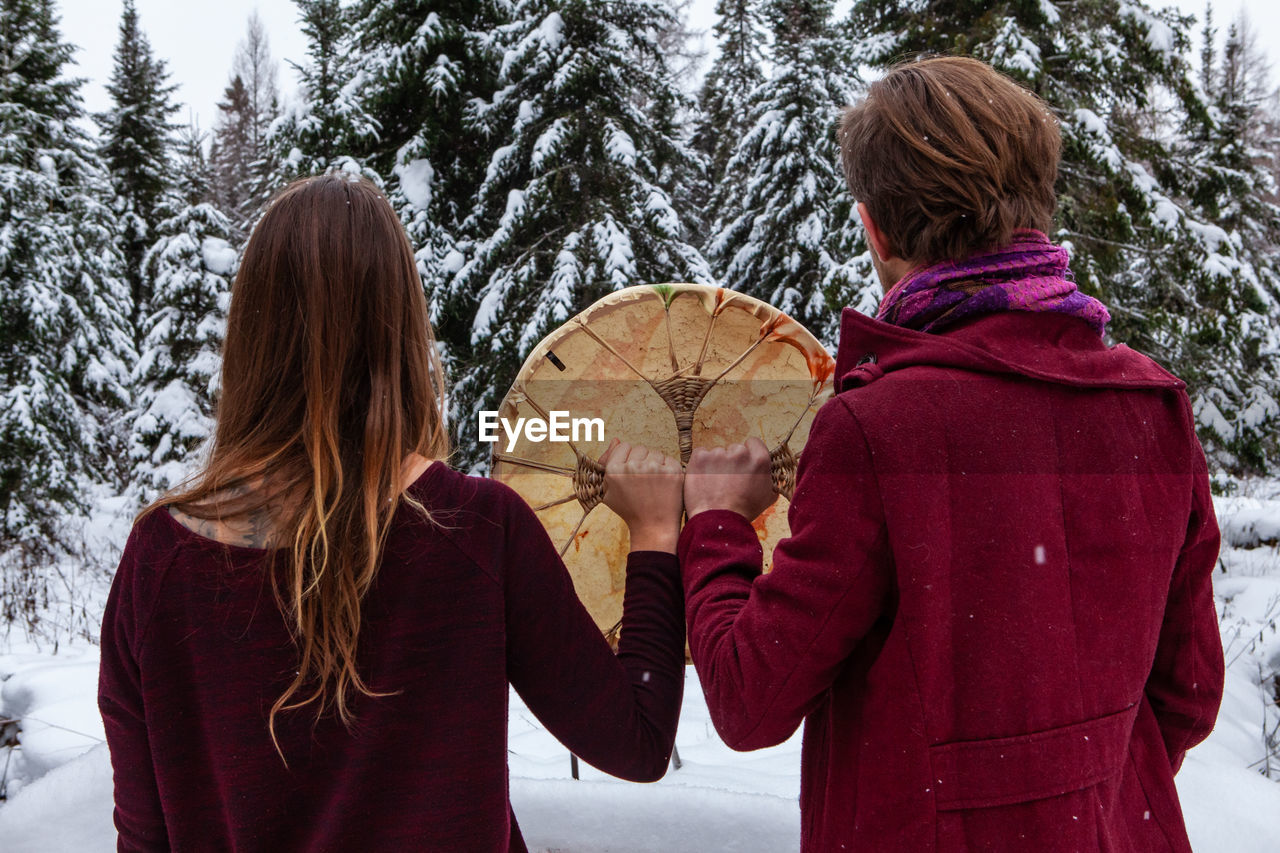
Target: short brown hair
950, 157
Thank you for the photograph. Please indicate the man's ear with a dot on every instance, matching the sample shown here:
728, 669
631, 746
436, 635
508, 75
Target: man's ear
875, 236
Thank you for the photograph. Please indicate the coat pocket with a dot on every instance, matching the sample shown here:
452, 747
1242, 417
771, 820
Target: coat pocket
1001, 771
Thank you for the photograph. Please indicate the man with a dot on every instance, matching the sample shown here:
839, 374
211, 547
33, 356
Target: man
994, 613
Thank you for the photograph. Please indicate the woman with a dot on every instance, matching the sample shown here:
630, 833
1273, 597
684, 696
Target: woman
309, 645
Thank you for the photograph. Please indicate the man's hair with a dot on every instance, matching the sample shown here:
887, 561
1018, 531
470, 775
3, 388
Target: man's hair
950, 157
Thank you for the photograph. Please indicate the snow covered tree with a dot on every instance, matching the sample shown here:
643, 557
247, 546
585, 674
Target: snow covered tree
783, 227
193, 177
1223, 169
64, 301
672, 53
734, 75
1128, 187
1246, 79
327, 126
136, 137
571, 207
420, 64
189, 268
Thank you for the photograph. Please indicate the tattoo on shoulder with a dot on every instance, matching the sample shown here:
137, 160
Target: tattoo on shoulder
258, 531
206, 527
253, 531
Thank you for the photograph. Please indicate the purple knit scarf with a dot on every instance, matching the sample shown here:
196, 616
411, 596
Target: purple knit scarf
1029, 274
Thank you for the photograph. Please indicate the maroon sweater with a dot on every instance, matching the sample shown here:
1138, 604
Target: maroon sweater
994, 613
195, 651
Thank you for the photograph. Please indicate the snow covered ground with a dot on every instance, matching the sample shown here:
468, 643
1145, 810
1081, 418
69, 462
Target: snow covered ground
58, 780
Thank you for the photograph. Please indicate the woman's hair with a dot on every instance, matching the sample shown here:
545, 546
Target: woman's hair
950, 157
330, 377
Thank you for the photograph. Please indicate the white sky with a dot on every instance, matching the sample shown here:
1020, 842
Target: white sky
198, 38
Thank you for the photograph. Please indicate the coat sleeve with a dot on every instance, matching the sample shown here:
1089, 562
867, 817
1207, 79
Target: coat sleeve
139, 818
617, 713
1185, 685
768, 647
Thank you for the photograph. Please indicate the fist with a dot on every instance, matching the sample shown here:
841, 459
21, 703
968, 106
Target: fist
736, 478
644, 487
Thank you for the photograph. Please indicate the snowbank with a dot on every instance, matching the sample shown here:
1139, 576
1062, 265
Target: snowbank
54, 697
67, 810
595, 817
1248, 522
1228, 808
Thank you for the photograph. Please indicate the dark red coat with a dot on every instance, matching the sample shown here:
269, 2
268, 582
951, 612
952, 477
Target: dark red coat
994, 613
195, 651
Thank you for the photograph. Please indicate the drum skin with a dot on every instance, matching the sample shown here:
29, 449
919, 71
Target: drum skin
669, 366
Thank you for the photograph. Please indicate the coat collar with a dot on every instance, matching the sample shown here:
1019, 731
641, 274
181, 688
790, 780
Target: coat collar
1050, 347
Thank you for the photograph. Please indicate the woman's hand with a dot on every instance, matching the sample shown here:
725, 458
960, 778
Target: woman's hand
644, 488
736, 478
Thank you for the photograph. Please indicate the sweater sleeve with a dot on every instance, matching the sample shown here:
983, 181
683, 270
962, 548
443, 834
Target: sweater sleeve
618, 713
767, 647
139, 818
1186, 681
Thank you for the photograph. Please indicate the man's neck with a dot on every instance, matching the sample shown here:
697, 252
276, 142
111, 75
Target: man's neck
893, 271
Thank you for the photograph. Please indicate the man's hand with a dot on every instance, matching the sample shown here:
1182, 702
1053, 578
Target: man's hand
735, 478
643, 487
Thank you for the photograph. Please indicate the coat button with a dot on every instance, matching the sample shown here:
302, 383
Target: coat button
869, 358
865, 373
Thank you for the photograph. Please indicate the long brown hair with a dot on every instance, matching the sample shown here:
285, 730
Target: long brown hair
330, 377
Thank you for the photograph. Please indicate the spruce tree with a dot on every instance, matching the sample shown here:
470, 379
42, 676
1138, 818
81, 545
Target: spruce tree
736, 72
1131, 197
193, 177
422, 63
64, 301
782, 229
327, 128
1231, 331
136, 137
419, 63
189, 269
571, 207
671, 55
